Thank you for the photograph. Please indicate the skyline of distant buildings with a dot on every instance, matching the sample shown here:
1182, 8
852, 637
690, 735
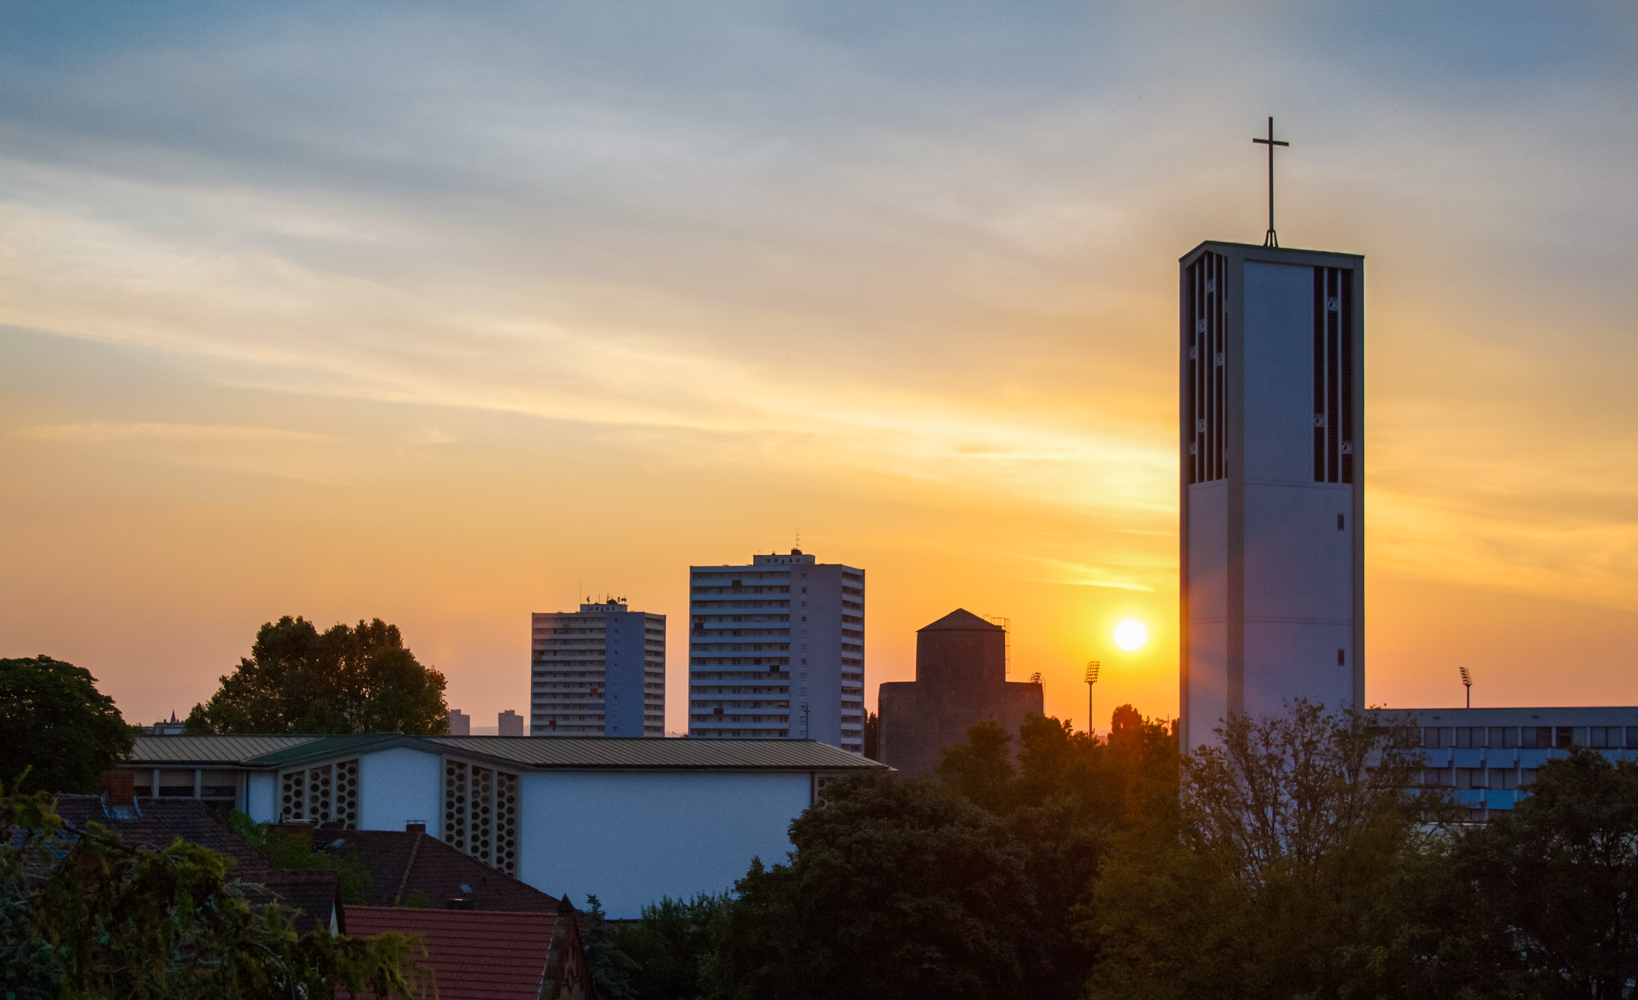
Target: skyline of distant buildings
775, 651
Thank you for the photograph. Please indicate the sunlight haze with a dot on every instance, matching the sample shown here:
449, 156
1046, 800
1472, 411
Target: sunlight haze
447, 316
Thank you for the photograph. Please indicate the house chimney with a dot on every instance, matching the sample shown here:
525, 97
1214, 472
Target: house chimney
416, 827
120, 787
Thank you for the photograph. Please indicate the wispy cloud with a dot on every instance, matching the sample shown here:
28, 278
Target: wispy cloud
100, 431
919, 260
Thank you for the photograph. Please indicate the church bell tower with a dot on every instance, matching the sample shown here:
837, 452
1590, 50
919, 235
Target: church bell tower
1272, 463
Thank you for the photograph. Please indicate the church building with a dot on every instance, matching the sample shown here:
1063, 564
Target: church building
1271, 366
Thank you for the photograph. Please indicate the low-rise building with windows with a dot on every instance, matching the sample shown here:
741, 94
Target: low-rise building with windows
630, 820
1490, 756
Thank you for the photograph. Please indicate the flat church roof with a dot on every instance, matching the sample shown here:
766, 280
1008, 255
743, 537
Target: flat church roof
538, 753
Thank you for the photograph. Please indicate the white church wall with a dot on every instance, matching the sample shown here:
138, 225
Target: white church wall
633, 837
1298, 563
1208, 680
1287, 660
261, 790
1208, 550
1208, 609
396, 787
1279, 373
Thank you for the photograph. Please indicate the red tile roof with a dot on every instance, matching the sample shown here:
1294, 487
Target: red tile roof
403, 863
475, 955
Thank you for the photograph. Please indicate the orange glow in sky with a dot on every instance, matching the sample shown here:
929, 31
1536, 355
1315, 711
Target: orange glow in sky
446, 319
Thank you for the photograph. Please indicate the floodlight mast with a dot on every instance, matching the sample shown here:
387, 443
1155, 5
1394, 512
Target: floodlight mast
1467, 682
1091, 679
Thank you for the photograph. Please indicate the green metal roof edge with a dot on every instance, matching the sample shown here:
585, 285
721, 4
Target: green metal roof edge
332, 745
325, 747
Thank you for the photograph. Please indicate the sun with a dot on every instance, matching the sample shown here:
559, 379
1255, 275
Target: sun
1131, 634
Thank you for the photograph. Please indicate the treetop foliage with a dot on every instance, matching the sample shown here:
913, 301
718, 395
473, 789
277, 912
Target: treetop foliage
1550, 889
344, 680
287, 850
57, 726
895, 890
1299, 787
1296, 858
1290, 872
99, 919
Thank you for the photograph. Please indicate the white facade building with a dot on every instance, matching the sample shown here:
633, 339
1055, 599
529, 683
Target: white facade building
1272, 462
1490, 755
630, 820
776, 650
599, 671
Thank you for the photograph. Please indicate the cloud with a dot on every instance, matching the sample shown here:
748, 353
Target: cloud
99, 431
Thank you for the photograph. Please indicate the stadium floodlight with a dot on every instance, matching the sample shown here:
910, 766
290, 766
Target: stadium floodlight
1091, 679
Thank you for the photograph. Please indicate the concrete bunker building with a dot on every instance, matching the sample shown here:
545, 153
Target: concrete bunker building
961, 678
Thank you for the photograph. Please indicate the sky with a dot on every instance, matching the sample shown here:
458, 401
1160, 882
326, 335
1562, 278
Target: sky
445, 314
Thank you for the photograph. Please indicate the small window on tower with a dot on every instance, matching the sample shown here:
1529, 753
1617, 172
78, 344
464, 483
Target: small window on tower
1339, 522
1341, 659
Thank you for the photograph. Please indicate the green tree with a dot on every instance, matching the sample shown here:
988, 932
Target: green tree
1296, 869
1069, 795
1549, 890
662, 953
115, 921
287, 850
30, 968
981, 769
611, 968
896, 889
343, 680
56, 725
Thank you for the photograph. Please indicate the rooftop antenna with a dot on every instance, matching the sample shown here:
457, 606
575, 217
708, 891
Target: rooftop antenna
1467, 682
1269, 239
1092, 667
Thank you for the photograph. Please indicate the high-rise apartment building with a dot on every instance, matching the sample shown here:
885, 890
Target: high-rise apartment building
599, 671
460, 724
1271, 360
776, 650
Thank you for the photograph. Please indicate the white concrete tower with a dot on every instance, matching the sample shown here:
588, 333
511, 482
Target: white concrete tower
1272, 448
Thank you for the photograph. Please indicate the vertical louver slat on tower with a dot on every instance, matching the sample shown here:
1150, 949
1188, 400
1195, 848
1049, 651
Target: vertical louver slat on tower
1346, 350
1319, 373
1219, 352
1195, 450
1333, 375
1207, 339
1332, 421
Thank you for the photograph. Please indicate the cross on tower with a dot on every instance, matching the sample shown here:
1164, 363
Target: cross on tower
1270, 240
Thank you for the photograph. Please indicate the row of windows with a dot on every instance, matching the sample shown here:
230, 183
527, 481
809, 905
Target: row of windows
1504, 779
1529, 737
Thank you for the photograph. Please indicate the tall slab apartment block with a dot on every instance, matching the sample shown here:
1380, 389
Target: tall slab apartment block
1273, 461
599, 671
776, 650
